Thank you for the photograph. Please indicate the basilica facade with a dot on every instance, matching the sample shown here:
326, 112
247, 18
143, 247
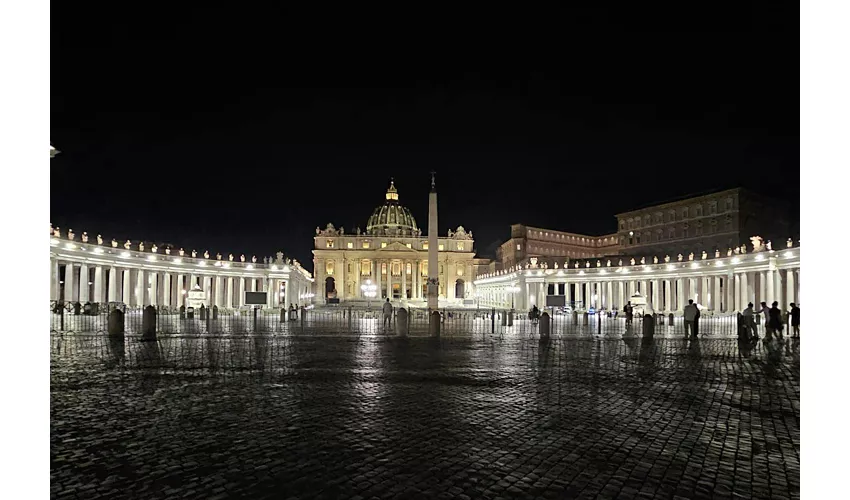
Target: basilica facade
390, 260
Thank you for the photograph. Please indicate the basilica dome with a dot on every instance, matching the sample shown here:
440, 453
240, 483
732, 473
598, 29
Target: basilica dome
391, 218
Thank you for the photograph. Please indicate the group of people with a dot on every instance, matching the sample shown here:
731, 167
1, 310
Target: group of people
773, 321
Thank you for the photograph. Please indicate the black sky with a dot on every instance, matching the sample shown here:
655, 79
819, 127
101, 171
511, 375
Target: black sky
241, 131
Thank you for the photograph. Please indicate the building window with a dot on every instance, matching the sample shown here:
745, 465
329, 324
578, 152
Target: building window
425, 246
460, 245
424, 268
408, 245
672, 233
685, 229
712, 208
728, 204
727, 224
698, 211
409, 269
646, 220
712, 227
365, 268
518, 246
699, 228
365, 244
383, 268
329, 268
396, 269
383, 244
671, 216
658, 218
460, 271
685, 213
440, 247
329, 244
349, 245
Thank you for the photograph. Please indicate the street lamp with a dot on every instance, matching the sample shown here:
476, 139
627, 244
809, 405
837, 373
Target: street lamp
369, 290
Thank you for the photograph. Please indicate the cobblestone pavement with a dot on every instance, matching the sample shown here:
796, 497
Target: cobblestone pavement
383, 417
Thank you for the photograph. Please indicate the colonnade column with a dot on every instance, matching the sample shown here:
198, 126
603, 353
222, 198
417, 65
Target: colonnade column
69, 282
84, 283
668, 304
98, 284
716, 299
610, 288
789, 288
166, 289
112, 286
390, 279
770, 291
743, 294
54, 279
680, 294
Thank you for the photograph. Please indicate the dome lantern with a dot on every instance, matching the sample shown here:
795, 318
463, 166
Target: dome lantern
391, 218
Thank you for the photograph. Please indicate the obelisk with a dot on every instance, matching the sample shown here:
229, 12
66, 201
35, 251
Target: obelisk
433, 269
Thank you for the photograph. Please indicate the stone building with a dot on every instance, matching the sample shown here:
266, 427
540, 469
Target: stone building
527, 242
713, 221
391, 255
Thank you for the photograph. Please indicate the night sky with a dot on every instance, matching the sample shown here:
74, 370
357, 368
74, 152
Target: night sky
241, 132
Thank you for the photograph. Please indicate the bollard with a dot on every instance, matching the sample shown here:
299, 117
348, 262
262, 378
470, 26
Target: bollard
584, 321
149, 323
742, 327
434, 324
209, 321
77, 308
648, 327
599, 324
544, 326
575, 317
182, 312
510, 318
283, 315
303, 314
401, 322
203, 311
61, 317
504, 319
115, 322
255, 319
659, 320
349, 319
670, 319
190, 313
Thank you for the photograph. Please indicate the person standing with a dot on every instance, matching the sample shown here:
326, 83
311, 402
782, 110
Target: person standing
795, 319
691, 313
775, 321
388, 313
749, 322
765, 315
629, 310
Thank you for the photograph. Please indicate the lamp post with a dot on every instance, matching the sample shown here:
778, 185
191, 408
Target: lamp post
369, 290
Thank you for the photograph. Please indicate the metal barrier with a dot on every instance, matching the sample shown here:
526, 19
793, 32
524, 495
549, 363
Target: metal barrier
341, 320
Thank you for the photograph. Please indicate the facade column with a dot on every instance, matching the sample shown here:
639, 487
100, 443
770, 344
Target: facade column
668, 304
716, 299
217, 299
610, 295
166, 289
580, 294
377, 265
130, 287
146, 288
54, 279
736, 287
230, 292
745, 284
119, 285
84, 283
112, 286
342, 287
779, 284
404, 279
98, 284
656, 295
680, 294
789, 289
70, 286
390, 279
770, 291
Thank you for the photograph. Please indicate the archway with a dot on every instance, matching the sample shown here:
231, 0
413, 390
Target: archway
330, 288
459, 289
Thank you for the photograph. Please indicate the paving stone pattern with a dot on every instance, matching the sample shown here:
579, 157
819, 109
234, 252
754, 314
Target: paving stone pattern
381, 417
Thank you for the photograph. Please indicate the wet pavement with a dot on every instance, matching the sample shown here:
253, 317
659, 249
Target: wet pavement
380, 417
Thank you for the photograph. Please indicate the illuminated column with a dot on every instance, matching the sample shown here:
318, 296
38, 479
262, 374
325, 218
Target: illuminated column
376, 264
668, 304
610, 295
230, 292
287, 294
84, 283
207, 286
166, 289
240, 298
147, 295
70, 288
789, 289
743, 282
217, 296
357, 270
736, 287
98, 284
656, 295
155, 283
580, 294
403, 279
779, 284
112, 285
119, 284
390, 279
770, 291
680, 294
54, 279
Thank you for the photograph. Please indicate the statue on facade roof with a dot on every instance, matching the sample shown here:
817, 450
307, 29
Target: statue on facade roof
769, 246
114, 243
743, 248
655, 259
265, 260
632, 261
666, 258
451, 233
341, 230
194, 254
643, 260
789, 243
318, 231
691, 256
57, 232
218, 256
70, 234
181, 252
279, 259
99, 240
680, 257
85, 237
587, 263
358, 231
206, 254
127, 244
620, 263
598, 263
153, 248
729, 252
141, 246
254, 258
704, 255
242, 257
716, 252
533, 261
758, 243
167, 250
576, 266
737, 250
608, 264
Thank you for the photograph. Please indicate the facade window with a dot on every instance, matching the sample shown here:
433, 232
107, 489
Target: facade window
712, 208
365, 268
329, 244
712, 226
671, 216
698, 211
699, 228
440, 247
728, 204
441, 269
424, 268
396, 269
408, 245
460, 245
425, 245
685, 213
646, 220
658, 218
685, 229
409, 269
383, 244
349, 267
329, 268
518, 246
383, 268
672, 234
727, 224
350, 245
365, 244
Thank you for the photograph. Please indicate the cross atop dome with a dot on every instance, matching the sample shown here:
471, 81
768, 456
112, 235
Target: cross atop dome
392, 193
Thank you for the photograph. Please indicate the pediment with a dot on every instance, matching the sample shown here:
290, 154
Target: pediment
397, 247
